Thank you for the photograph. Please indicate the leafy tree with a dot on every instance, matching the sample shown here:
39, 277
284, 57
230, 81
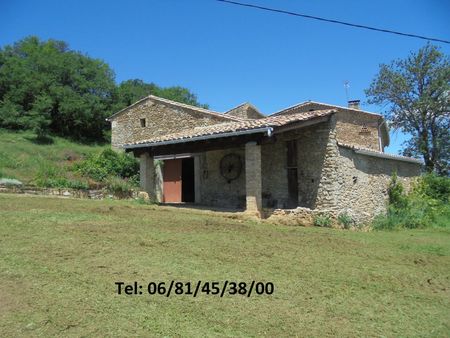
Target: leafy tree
416, 91
179, 94
130, 91
47, 87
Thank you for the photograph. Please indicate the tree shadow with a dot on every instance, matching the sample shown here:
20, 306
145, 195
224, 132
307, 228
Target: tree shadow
41, 140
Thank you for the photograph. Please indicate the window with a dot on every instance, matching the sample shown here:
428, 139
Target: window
364, 129
142, 123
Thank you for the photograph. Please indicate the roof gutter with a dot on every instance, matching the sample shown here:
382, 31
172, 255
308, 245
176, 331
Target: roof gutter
267, 130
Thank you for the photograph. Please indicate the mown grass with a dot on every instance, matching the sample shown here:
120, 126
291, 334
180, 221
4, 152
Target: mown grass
60, 258
25, 158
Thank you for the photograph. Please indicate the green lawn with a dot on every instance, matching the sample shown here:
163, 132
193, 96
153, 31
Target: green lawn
60, 258
23, 158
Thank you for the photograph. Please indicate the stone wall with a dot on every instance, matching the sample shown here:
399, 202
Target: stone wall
357, 129
330, 177
66, 192
362, 182
245, 111
215, 190
274, 174
352, 127
311, 146
160, 118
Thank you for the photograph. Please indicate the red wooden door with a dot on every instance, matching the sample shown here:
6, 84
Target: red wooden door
172, 181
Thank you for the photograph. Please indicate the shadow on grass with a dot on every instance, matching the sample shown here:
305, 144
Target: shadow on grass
41, 140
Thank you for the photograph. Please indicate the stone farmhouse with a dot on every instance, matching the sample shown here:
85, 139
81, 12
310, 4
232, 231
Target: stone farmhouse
311, 155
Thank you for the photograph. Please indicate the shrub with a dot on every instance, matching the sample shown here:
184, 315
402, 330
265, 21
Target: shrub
108, 163
345, 219
118, 186
425, 206
433, 186
322, 220
53, 177
396, 193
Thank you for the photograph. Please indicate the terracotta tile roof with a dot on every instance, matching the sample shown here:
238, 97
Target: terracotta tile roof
377, 153
230, 127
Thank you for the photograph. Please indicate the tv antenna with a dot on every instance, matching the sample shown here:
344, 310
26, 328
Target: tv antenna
346, 86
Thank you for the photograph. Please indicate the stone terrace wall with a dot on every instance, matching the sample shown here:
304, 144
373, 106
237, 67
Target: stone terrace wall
160, 119
66, 192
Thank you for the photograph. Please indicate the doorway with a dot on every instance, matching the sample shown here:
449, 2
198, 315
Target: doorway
179, 180
292, 173
187, 180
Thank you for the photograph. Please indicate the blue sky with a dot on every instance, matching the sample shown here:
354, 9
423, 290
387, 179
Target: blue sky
227, 54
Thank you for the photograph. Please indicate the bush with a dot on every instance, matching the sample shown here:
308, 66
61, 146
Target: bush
345, 219
435, 187
118, 186
425, 206
322, 220
108, 163
396, 192
53, 177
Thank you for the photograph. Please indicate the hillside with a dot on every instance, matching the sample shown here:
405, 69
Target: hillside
25, 159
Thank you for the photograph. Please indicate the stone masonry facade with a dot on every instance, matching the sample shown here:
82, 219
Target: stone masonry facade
157, 117
340, 165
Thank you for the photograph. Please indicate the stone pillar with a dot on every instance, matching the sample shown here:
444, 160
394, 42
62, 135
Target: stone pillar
147, 174
329, 188
253, 181
159, 181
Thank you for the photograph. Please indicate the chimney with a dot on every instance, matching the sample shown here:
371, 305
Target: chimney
354, 104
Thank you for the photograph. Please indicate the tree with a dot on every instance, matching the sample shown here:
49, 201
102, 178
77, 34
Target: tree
47, 87
416, 92
131, 91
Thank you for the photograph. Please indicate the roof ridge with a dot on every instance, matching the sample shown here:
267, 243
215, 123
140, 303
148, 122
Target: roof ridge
322, 103
239, 105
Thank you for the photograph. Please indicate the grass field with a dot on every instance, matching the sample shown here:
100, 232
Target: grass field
22, 158
60, 258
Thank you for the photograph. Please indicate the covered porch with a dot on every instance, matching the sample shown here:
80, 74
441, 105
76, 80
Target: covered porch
223, 171
244, 165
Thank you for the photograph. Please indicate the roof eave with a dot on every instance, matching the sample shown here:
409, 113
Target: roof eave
267, 130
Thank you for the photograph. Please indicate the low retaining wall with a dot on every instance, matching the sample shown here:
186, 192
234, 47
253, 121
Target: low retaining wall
306, 217
65, 192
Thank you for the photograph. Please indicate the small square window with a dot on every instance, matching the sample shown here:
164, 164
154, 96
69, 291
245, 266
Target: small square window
364, 129
142, 123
